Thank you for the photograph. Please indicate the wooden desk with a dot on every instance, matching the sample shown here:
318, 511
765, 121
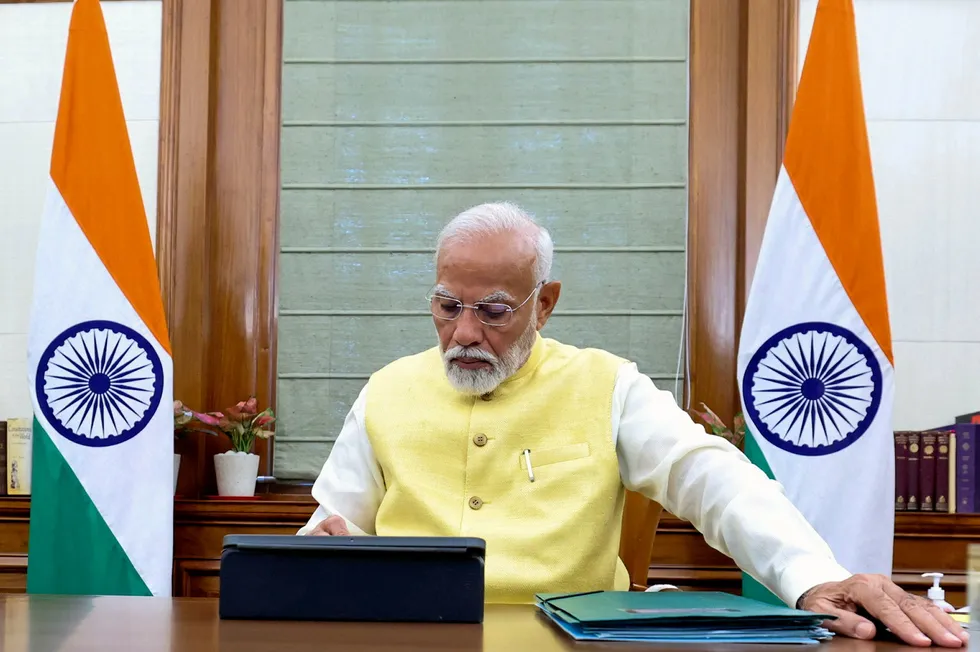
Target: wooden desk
70, 624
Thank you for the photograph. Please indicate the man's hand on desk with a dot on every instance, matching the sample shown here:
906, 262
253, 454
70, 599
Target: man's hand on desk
332, 526
914, 619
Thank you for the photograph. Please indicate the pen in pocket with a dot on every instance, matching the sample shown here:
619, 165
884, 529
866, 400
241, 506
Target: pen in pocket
527, 461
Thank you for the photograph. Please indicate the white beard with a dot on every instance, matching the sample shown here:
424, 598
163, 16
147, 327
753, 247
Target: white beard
484, 381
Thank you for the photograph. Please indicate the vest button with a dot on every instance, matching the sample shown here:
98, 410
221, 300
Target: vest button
480, 439
476, 502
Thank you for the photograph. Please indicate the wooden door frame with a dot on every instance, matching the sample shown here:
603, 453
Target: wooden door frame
218, 189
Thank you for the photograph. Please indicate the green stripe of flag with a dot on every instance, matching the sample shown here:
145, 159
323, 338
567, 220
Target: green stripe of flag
750, 587
71, 549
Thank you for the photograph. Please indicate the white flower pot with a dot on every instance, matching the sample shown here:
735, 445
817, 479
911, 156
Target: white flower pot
176, 471
237, 473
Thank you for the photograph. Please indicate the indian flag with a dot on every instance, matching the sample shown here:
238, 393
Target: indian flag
99, 358
815, 365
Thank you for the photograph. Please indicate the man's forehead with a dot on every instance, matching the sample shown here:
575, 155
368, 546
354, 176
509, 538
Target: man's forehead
501, 263
498, 294
491, 254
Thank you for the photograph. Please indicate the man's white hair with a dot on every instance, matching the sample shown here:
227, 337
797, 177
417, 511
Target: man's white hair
499, 217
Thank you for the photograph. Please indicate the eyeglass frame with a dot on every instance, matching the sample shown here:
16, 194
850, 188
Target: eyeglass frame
475, 307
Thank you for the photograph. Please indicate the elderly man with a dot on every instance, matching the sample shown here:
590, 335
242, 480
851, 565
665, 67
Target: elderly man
527, 443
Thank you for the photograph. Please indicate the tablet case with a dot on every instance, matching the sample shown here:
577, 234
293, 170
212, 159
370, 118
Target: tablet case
362, 578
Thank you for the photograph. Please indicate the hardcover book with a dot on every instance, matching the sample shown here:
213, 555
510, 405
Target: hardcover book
966, 466
901, 472
942, 471
927, 471
3, 458
19, 455
912, 464
952, 472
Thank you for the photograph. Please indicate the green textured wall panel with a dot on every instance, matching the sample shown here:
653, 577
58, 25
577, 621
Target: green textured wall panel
462, 155
455, 92
467, 29
413, 218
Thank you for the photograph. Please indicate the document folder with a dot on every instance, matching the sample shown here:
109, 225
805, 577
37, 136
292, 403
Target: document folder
675, 617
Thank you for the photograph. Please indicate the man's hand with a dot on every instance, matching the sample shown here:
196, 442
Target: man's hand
332, 526
914, 619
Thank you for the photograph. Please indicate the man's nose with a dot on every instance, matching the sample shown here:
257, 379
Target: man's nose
469, 329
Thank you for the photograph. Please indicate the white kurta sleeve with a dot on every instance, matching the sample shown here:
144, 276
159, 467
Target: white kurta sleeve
350, 483
704, 479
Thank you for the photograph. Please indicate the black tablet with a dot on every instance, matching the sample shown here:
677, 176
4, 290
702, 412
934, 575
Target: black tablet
352, 578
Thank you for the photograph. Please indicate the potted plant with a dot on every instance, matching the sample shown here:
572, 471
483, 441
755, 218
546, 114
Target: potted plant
237, 470
184, 421
735, 434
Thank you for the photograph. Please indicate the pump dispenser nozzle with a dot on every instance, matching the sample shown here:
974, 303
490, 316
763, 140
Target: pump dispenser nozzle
936, 592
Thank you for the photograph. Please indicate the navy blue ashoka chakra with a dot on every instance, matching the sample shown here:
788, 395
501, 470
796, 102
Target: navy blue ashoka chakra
812, 389
99, 383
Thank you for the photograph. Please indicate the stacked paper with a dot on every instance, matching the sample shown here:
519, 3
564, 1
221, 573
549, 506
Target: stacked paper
679, 617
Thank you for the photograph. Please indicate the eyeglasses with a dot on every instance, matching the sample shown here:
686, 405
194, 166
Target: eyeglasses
491, 314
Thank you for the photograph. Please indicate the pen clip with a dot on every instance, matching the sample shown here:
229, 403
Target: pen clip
527, 462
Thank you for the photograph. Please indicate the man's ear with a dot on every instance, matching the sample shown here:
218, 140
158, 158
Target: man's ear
547, 299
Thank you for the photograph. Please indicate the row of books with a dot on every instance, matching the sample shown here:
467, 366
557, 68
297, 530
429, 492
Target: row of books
16, 452
935, 470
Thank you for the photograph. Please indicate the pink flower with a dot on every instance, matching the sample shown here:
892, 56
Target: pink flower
262, 421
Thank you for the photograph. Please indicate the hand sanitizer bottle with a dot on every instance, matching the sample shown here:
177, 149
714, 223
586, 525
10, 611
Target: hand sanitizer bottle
937, 594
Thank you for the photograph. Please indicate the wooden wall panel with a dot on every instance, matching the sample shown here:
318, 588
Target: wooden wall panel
743, 54
713, 203
182, 182
13, 573
197, 579
769, 38
15, 514
243, 202
218, 210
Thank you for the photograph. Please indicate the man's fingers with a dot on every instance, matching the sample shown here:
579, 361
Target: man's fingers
336, 526
331, 526
934, 611
849, 623
927, 623
951, 625
929, 618
880, 605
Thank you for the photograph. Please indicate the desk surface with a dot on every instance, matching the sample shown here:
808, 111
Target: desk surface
68, 624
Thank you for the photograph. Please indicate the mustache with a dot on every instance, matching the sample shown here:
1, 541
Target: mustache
471, 352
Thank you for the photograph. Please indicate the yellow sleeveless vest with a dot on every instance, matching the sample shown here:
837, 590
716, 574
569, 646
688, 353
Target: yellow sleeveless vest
453, 465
